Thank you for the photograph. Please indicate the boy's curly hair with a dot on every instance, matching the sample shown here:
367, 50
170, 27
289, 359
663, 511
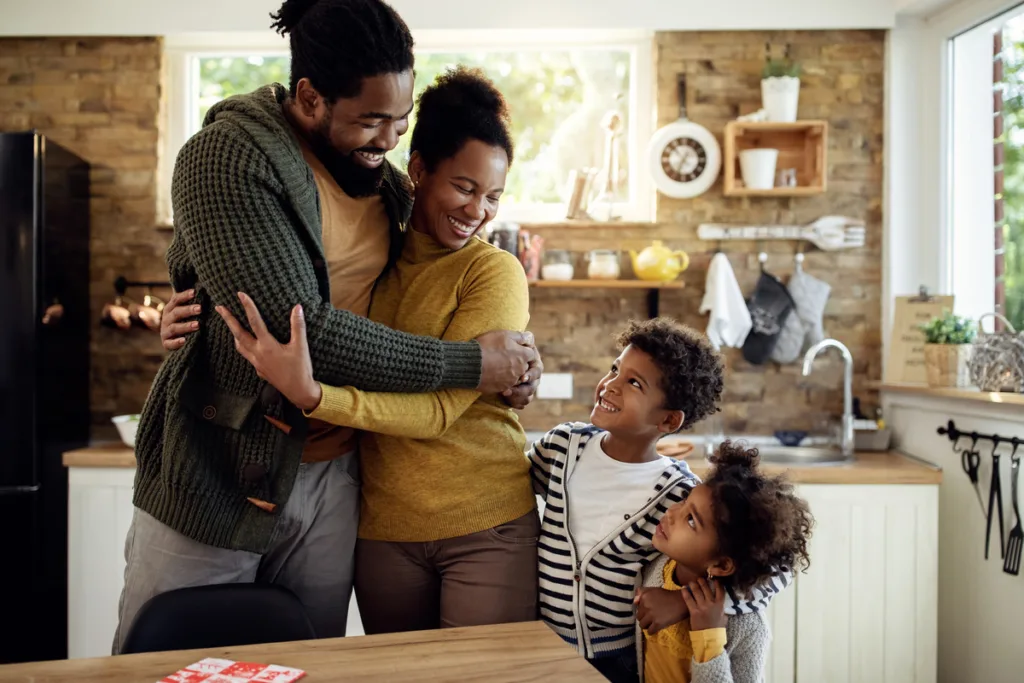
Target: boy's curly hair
691, 370
762, 524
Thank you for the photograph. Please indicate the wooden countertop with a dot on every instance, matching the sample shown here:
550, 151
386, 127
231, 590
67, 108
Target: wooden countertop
488, 654
975, 395
114, 454
889, 467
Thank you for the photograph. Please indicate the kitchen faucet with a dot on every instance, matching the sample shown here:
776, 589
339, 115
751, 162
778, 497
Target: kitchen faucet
846, 437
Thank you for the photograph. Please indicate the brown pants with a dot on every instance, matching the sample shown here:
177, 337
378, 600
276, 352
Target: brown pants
489, 577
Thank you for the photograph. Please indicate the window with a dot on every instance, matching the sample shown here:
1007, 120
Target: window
1008, 47
559, 87
986, 176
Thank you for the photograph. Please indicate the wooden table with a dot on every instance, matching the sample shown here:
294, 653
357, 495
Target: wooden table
488, 654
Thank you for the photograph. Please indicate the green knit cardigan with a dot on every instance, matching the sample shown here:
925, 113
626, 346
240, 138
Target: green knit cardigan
247, 219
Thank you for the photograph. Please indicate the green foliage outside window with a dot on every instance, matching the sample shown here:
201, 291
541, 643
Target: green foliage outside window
556, 98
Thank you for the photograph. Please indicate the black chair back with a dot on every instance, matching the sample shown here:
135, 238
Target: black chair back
222, 615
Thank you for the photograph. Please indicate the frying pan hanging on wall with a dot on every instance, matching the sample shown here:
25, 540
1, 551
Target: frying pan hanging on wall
684, 157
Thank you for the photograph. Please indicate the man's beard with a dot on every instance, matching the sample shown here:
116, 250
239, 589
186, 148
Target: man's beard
354, 179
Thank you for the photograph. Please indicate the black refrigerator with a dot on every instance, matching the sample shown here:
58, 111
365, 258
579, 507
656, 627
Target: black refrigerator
44, 382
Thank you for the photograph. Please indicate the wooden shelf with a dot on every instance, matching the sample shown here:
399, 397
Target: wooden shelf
606, 284
802, 145
653, 289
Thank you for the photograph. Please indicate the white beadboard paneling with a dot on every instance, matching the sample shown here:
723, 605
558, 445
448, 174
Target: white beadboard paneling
900, 593
927, 619
872, 564
867, 568
99, 514
781, 664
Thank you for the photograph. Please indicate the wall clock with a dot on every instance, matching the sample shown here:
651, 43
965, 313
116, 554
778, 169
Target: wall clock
684, 157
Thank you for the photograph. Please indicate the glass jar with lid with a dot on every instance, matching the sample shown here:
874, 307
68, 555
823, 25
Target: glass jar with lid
557, 265
604, 265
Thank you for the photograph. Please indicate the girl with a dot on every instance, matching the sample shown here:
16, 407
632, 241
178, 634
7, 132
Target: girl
729, 535
448, 529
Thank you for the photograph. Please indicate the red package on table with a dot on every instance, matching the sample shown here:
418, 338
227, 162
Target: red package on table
212, 670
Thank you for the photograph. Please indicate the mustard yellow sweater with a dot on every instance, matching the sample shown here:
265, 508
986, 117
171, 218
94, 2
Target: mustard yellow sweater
448, 463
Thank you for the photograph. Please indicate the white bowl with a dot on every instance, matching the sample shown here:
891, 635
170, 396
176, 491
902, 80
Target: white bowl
127, 425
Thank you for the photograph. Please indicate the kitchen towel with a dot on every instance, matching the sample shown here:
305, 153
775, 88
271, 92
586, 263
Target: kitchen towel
730, 321
803, 328
770, 305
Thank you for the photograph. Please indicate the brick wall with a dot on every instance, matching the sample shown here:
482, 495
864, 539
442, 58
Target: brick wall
100, 98
843, 84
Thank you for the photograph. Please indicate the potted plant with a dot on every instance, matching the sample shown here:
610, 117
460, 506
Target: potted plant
780, 87
947, 350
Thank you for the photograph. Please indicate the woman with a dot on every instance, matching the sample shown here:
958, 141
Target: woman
448, 530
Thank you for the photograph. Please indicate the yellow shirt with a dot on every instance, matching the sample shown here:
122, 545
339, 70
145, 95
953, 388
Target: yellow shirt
448, 463
667, 654
356, 238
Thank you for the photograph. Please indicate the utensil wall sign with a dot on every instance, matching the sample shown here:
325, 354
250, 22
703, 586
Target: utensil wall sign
829, 233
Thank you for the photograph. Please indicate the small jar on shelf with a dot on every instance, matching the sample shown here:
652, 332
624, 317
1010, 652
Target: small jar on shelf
604, 265
557, 265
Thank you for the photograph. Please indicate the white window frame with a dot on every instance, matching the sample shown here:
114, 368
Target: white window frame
969, 266
181, 53
918, 171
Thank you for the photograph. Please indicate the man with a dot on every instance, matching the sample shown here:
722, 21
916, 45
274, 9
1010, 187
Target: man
286, 195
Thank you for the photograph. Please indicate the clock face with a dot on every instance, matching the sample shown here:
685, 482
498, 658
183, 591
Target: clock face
684, 159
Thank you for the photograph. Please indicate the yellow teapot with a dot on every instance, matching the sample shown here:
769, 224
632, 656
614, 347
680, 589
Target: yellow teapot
658, 263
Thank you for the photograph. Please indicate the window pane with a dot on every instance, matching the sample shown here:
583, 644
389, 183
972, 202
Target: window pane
1013, 169
221, 77
557, 99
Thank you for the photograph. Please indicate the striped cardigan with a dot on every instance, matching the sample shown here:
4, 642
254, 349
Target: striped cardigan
588, 599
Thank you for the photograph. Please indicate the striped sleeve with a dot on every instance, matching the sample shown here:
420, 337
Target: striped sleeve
760, 595
547, 458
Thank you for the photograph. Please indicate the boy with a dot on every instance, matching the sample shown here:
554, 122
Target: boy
605, 488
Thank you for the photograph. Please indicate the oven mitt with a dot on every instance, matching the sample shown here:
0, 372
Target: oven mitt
769, 307
803, 328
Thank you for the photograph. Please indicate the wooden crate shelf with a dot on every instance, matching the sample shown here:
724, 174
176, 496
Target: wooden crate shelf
802, 145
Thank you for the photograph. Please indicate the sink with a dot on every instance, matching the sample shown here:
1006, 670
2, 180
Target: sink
800, 455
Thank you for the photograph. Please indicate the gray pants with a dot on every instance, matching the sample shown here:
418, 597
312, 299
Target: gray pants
312, 553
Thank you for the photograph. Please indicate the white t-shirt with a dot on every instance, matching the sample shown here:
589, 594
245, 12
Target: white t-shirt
604, 492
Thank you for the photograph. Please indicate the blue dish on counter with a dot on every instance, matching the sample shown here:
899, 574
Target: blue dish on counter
790, 437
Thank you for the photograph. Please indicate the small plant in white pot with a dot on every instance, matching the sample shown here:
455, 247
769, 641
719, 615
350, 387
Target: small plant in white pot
947, 350
780, 88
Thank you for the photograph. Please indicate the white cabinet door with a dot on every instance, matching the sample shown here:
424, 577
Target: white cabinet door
99, 514
866, 610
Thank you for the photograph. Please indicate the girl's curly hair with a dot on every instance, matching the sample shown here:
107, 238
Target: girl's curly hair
762, 524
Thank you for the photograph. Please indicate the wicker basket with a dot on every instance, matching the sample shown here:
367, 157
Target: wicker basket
946, 365
997, 361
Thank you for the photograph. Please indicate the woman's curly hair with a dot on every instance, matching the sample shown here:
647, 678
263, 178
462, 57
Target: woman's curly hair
762, 524
691, 370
